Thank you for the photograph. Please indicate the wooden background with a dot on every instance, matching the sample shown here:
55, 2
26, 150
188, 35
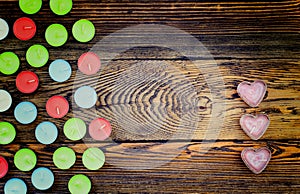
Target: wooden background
248, 40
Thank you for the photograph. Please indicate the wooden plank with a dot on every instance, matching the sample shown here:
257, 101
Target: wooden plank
194, 169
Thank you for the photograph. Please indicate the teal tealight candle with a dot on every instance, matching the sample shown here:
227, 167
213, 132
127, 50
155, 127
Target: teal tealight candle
46, 132
60, 70
85, 97
42, 178
15, 186
25, 112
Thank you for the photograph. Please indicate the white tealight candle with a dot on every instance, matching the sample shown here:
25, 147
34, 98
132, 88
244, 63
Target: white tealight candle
4, 29
5, 100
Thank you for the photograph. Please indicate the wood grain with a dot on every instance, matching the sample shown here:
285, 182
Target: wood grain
153, 95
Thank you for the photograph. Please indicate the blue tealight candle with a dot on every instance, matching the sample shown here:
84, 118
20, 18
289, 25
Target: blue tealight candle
46, 132
60, 70
85, 97
25, 112
15, 186
42, 178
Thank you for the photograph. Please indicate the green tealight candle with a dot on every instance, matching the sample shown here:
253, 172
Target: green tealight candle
93, 158
9, 63
37, 55
79, 184
30, 6
61, 7
56, 35
75, 129
7, 133
25, 159
64, 158
83, 30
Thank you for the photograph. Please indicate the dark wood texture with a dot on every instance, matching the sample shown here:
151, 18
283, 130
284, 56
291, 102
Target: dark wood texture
248, 40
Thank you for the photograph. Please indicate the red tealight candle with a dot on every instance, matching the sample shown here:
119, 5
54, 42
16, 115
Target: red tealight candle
89, 63
3, 167
100, 129
57, 107
24, 28
27, 82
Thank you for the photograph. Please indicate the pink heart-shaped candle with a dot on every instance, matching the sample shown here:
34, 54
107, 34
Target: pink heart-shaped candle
256, 159
252, 93
254, 126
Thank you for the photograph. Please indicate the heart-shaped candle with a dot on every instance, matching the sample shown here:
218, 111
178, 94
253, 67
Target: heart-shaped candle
254, 125
256, 159
252, 93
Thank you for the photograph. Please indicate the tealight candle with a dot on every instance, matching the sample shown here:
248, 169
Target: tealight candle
27, 82
37, 55
79, 184
85, 97
42, 178
24, 28
64, 158
3, 167
83, 30
30, 6
25, 112
60, 70
100, 129
15, 186
7, 133
9, 63
93, 158
57, 107
5, 100
75, 129
25, 159
89, 63
4, 29
46, 132
56, 35
61, 7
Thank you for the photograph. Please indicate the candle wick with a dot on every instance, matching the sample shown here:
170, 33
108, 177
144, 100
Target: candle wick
103, 126
90, 68
57, 111
27, 28
29, 110
253, 129
31, 81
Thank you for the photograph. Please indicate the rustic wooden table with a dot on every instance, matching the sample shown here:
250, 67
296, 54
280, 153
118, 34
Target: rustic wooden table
248, 41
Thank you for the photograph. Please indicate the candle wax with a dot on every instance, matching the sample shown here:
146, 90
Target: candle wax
24, 28
30, 6
15, 186
42, 178
75, 129
7, 133
79, 184
37, 55
9, 63
57, 107
27, 82
25, 112
3, 167
100, 129
85, 97
5, 100
4, 29
25, 159
64, 158
60, 70
83, 30
89, 63
46, 132
61, 7
93, 158
56, 35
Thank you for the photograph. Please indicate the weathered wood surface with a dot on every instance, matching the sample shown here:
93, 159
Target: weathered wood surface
248, 40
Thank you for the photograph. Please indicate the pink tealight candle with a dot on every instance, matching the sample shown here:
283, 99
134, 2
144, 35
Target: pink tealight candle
89, 63
100, 129
57, 107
